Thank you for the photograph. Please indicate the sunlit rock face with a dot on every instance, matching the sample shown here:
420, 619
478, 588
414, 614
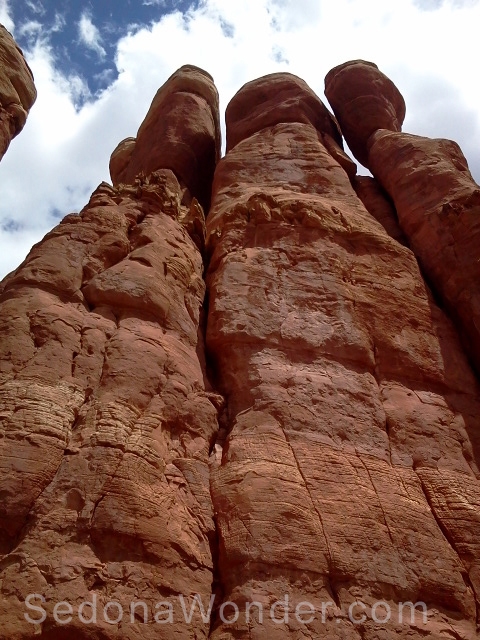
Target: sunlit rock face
108, 417
436, 198
353, 413
227, 379
17, 90
181, 132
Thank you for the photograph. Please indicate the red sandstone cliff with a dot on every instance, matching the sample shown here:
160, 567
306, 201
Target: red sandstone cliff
106, 414
436, 198
268, 407
17, 91
350, 463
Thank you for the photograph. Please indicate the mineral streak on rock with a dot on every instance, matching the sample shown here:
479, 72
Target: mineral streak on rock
17, 91
107, 417
181, 132
436, 198
353, 415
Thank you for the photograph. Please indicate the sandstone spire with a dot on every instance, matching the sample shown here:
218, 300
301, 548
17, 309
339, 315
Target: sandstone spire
181, 132
267, 411
353, 414
17, 91
436, 198
107, 416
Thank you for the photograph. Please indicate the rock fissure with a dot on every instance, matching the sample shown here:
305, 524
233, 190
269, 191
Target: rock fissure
390, 535
451, 541
330, 555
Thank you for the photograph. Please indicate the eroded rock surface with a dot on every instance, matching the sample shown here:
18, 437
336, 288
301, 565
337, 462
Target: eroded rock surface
181, 132
436, 198
365, 100
314, 441
107, 417
353, 415
17, 91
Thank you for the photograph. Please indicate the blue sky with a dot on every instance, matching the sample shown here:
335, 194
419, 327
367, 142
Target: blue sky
83, 35
97, 66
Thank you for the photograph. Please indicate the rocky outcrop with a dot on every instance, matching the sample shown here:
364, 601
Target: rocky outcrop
107, 416
262, 425
17, 91
349, 459
364, 100
181, 132
436, 198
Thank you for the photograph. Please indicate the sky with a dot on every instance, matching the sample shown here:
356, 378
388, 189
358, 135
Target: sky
97, 66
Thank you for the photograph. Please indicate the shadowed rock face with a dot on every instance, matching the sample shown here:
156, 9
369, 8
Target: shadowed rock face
17, 91
312, 435
436, 198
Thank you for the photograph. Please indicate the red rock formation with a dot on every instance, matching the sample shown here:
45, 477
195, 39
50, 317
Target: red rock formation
353, 415
17, 91
181, 132
379, 205
106, 413
343, 467
436, 198
359, 87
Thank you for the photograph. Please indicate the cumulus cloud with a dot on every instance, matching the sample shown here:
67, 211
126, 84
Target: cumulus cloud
292, 14
433, 5
90, 35
63, 152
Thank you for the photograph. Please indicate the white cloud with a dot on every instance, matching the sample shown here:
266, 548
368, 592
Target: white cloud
59, 23
63, 152
31, 28
37, 7
37, 31
292, 14
5, 18
90, 35
433, 5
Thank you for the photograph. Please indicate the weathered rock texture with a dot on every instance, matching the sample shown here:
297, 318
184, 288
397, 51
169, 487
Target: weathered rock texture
181, 132
106, 417
17, 91
436, 198
333, 456
349, 470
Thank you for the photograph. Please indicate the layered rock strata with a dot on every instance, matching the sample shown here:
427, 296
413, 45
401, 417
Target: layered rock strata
107, 418
17, 90
348, 470
436, 198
